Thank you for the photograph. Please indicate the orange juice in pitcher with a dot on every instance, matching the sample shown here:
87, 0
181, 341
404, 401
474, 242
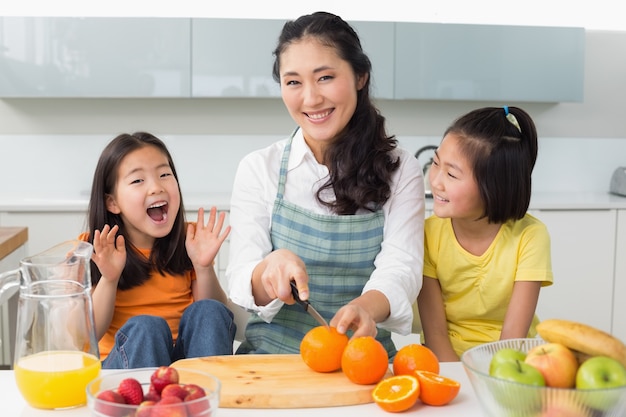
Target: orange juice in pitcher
56, 351
56, 379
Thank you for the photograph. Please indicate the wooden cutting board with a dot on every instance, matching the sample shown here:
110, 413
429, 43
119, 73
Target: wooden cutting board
277, 381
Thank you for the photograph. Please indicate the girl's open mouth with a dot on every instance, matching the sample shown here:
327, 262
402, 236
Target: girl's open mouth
158, 212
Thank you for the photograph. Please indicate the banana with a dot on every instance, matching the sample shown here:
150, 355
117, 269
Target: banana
582, 338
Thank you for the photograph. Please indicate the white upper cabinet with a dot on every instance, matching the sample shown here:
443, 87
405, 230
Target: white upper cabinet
489, 62
94, 57
377, 39
233, 57
210, 57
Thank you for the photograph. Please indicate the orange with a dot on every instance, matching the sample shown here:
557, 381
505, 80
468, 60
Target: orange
397, 393
436, 389
413, 357
364, 361
321, 348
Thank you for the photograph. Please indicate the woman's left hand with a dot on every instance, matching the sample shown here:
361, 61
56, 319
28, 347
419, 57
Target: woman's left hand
204, 241
354, 317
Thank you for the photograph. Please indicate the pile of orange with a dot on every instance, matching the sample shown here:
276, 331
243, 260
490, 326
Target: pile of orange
416, 376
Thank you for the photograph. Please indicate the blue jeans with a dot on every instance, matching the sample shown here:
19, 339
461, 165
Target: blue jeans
206, 329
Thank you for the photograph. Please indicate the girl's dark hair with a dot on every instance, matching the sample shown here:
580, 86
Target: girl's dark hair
168, 255
359, 161
502, 157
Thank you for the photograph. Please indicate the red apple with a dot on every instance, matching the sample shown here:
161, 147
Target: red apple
144, 409
169, 407
556, 362
163, 376
196, 400
174, 390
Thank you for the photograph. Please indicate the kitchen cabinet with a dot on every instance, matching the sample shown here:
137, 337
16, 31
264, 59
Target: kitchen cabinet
583, 253
436, 61
94, 57
619, 294
234, 57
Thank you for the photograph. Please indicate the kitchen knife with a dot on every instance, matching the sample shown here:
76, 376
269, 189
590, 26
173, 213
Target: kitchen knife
306, 305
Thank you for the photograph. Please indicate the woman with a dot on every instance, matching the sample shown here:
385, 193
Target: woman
336, 207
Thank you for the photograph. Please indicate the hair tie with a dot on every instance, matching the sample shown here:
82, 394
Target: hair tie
511, 118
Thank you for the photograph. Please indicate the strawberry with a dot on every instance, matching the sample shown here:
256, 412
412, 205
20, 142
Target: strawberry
174, 390
106, 404
162, 376
131, 390
169, 407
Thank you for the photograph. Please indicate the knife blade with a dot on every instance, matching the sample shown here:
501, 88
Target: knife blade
307, 305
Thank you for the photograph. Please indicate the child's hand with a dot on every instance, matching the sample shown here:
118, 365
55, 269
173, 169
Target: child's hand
109, 252
203, 242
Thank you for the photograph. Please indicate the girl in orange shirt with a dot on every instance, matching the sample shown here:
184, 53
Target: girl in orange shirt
156, 296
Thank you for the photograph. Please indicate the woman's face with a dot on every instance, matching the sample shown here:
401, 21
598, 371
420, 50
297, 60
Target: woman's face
146, 196
455, 191
319, 90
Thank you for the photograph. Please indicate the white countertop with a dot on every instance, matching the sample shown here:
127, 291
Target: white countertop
540, 201
465, 404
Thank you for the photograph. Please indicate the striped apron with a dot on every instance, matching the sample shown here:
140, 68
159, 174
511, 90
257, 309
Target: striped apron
338, 252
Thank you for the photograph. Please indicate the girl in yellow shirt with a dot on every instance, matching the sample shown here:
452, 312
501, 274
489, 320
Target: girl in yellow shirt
485, 257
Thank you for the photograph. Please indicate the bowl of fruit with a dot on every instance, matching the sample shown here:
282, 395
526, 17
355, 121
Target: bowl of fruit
150, 392
571, 370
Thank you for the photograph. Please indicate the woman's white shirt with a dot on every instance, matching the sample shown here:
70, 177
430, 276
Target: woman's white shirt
398, 266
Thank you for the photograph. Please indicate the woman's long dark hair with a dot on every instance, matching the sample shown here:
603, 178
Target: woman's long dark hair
360, 161
168, 254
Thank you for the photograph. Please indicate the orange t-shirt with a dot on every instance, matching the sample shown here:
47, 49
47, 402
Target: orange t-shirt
165, 296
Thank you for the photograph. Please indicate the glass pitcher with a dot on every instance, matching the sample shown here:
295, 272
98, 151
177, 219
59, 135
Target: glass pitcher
56, 351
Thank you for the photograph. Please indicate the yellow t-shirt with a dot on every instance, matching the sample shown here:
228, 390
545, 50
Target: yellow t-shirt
477, 289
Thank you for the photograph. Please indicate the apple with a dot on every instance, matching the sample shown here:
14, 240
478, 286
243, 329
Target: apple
601, 373
522, 395
563, 404
556, 362
505, 355
163, 376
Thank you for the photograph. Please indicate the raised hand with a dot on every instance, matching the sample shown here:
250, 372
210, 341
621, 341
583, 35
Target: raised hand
109, 252
204, 241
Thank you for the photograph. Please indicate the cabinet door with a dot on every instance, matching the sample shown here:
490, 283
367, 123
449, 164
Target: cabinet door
94, 57
233, 57
377, 39
437, 61
619, 296
583, 248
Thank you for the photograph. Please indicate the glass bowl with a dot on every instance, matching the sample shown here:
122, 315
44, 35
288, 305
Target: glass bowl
111, 379
501, 398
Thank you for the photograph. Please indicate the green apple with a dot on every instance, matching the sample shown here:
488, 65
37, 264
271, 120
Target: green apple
505, 355
521, 389
519, 371
605, 378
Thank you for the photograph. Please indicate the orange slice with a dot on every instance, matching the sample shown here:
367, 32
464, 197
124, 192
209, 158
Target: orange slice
436, 389
396, 393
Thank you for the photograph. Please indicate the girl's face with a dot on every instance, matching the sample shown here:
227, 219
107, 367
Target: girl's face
146, 196
319, 90
455, 191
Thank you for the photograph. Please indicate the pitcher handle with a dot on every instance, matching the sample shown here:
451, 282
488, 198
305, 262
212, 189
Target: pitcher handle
9, 284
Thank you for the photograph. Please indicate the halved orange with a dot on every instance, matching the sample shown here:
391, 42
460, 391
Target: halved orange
436, 389
396, 393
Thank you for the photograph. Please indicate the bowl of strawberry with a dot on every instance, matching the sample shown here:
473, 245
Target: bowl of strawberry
154, 392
